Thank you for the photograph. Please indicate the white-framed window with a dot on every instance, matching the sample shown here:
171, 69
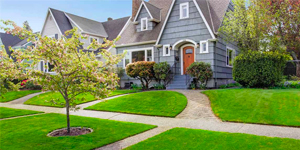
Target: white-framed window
230, 56
144, 24
45, 66
204, 47
91, 38
135, 55
184, 10
51, 36
166, 50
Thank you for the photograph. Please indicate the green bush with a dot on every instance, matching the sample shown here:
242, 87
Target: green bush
162, 73
230, 85
31, 86
201, 71
259, 69
142, 71
159, 86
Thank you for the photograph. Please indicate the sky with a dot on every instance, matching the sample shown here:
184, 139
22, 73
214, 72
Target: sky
34, 11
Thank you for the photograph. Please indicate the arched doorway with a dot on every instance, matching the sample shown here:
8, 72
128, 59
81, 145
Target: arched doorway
188, 57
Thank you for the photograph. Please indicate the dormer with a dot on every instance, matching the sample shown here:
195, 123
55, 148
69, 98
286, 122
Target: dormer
147, 17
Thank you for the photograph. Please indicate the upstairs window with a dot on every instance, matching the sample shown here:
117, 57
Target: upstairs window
204, 47
166, 50
184, 10
230, 55
144, 24
93, 38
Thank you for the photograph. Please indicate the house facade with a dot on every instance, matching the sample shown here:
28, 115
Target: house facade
179, 32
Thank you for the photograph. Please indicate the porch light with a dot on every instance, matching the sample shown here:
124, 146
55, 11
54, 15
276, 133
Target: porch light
170, 47
198, 45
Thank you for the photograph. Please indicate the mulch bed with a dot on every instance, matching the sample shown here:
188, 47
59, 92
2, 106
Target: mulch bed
74, 131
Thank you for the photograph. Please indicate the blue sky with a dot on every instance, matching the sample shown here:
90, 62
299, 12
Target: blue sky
34, 11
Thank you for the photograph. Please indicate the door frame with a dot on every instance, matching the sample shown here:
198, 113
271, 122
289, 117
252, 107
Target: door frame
181, 53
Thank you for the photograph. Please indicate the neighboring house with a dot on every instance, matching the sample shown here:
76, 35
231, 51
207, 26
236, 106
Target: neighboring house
8, 40
58, 22
179, 32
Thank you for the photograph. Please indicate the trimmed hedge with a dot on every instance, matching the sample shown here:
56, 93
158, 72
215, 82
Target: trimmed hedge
259, 69
201, 71
142, 71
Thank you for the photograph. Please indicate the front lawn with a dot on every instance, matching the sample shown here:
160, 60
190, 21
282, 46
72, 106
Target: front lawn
30, 133
9, 112
9, 96
154, 103
264, 106
181, 138
45, 98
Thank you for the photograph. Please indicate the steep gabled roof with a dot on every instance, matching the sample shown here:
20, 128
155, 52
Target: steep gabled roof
87, 25
9, 40
62, 21
154, 11
114, 27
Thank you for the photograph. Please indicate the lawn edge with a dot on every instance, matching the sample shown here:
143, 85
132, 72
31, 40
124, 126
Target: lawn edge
40, 91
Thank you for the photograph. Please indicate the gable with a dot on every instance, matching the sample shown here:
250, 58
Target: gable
50, 27
193, 28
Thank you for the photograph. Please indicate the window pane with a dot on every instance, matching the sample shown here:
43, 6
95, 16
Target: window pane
230, 55
138, 56
189, 51
127, 59
204, 47
50, 67
149, 55
144, 24
167, 50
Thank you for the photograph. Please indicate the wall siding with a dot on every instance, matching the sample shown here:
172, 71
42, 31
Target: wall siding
50, 27
144, 13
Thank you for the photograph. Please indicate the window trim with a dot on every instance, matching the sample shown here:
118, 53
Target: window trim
164, 50
181, 10
234, 55
201, 47
93, 38
139, 49
142, 24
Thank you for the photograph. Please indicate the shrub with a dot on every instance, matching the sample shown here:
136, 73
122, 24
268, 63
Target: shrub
29, 85
295, 78
201, 71
259, 69
159, 86
135, 87
230, 85
162, 73
142, 71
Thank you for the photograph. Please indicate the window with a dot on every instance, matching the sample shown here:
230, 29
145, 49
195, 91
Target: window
184, 10
138, 55
166, 50
51, 36
46, 66
230, 55
204, 47
93, 38
144, 24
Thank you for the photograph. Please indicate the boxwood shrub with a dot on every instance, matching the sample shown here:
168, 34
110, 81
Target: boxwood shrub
259, 69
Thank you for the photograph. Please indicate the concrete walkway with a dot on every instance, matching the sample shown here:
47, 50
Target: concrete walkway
197, 115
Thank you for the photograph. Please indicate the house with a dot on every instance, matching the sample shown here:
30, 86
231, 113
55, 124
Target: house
57, 22
179, 32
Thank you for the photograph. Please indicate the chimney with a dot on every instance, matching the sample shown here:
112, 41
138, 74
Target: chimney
135, 7
109, 18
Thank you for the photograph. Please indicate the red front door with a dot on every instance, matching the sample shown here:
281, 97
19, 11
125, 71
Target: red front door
188, 57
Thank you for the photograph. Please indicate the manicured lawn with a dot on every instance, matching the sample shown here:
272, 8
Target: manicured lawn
154, 103
9, 112
45, 98
264, 106
181, 138
9, 96
30, 133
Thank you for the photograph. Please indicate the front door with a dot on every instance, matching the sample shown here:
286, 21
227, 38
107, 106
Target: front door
188, 57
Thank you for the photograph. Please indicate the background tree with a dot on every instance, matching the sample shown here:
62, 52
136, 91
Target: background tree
77, 72
26, 26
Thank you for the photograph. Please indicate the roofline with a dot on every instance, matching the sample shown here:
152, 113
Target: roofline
55, 22
224, 15
73, 21
204, 19
166, 20
212, 23
138, 12
125, 26
137, 43
93, 34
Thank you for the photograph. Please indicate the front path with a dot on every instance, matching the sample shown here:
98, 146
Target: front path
197, 115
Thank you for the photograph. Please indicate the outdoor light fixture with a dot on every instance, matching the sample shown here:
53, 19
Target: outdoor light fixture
198, 45
170, 47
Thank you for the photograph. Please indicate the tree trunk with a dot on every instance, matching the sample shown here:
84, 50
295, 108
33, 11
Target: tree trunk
68, 116
298, 69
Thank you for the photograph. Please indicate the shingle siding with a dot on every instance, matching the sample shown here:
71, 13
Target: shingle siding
143, 14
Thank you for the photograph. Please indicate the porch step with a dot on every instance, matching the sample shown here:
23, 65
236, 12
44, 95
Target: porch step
179, 82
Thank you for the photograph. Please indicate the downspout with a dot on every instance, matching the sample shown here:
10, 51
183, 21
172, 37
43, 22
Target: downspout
215, 64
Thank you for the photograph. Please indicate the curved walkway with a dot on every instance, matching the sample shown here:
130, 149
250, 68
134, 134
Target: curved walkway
197, 115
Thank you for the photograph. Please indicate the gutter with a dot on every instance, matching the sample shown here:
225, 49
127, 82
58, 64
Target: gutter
138, 43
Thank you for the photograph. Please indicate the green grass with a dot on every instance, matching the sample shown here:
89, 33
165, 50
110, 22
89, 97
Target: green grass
181, 138
263, 106
154, 103
9, 96
45, 98
30, 133
9, 112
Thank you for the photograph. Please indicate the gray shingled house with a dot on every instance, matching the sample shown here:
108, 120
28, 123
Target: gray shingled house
179, 32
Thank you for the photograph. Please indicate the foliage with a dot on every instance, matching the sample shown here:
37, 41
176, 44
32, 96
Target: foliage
76, 71
153, 103
26, 25
201, 71
142, 71
162, 73
193, 86
120, 72
264, 106
135, 87
159, 86
230, 85
9, 112
259, 69
183, 138
287, 85
35, 128
31, 86
295, 78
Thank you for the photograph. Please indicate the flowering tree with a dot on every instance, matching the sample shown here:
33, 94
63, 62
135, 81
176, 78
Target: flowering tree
76, 72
